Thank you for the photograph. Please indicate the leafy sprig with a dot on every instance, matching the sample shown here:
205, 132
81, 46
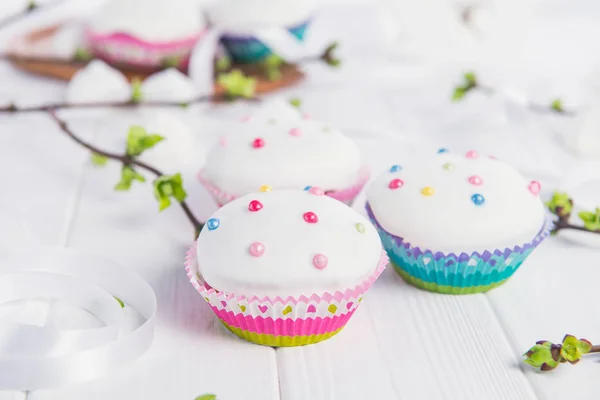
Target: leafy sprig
237, 85
166, 187
561, 205
546, 356
470, 83
206, 397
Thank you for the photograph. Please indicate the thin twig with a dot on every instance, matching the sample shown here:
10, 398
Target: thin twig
533, 106
12, 108
125, 159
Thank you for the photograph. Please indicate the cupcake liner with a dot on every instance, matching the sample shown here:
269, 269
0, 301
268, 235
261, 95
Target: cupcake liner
344, 195
121, 48
455, 273
282, 321
248, 49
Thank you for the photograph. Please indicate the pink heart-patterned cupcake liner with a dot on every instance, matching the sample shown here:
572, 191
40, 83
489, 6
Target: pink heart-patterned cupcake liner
279, 321
122, 48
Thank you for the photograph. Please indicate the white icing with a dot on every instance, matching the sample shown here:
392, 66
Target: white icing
168, 85
286, 267
449, 221
98, 82
276, 108
241, 16
320, 156
150, 20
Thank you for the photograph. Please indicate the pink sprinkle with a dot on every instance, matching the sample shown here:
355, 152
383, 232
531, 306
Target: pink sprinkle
245, 118
320, 261
255, 205
535, 187
295, 132
493, 157
257, 249
472, 154
223, 141
311, 217
317, 191
306, 116
475, 180
396, 183
258, 143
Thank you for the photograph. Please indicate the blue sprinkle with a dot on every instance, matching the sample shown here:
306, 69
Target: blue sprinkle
213, 223
395, 168
477, 199
442, 150
307, 188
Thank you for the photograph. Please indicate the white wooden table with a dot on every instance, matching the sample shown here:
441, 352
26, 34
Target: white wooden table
403, 343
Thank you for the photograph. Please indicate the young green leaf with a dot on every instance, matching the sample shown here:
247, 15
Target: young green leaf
31, 5
170, 62
119, 301
236, 84
98, 160
296, 102
273, 74
168, 186
138, 140
333, 62
223, 63
206, 397
587, 216
82, 54
557, 105
128, 175
470, 79
459, 93
136, 90
560, 204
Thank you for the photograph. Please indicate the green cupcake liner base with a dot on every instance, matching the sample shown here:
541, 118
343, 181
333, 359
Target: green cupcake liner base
444, 289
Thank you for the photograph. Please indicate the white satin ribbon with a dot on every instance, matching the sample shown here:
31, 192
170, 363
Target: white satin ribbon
33, 357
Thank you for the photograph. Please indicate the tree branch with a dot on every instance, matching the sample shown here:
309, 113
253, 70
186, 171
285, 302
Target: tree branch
125, 159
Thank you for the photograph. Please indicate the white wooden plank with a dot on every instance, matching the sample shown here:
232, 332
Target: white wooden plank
551, 295
192, 353
412, 344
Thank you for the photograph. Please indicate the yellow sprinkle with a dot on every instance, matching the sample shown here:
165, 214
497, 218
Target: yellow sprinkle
448, 166
265, 188
427, 191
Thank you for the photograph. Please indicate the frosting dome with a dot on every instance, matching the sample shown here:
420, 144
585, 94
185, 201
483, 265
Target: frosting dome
149, 20
284, 153
287, 243
241, 15
455, 203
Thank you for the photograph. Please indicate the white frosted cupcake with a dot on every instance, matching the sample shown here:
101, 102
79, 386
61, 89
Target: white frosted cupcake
283, 152
239, 19
457, 223
146, 33
285, 268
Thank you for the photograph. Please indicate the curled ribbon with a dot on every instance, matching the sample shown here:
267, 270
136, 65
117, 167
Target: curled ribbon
33, 357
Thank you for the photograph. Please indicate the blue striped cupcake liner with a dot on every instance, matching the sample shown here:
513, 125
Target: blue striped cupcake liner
455, 273
248, 49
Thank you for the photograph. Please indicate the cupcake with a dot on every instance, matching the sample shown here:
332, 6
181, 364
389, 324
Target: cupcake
287, 267
457, 224
144, 33
241, 19
286, 153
